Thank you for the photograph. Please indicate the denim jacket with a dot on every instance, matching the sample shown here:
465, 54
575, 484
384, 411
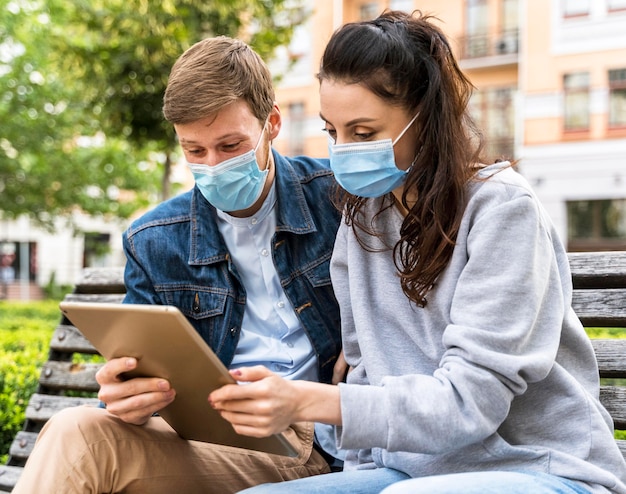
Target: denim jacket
176, 256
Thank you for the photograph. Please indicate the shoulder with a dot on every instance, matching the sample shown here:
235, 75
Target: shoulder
305, 187
172, 211
304, 168
498, 183
499, 191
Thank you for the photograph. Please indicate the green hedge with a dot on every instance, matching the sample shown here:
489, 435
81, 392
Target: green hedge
25, 332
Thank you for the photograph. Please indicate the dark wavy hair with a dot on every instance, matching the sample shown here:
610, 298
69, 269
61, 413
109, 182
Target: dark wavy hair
407, 61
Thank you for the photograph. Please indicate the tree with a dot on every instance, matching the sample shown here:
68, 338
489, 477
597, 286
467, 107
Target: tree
84, 81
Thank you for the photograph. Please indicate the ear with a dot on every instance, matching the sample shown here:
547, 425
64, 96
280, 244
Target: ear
275, 122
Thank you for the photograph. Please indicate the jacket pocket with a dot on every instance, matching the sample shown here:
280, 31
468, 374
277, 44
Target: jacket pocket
198, 304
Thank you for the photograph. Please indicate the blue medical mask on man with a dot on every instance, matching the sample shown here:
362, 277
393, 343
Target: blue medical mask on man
234, 184
367, 169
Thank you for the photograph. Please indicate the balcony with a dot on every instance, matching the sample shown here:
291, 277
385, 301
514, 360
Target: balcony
489, 50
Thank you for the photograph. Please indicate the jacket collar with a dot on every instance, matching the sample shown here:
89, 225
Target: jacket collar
293, 215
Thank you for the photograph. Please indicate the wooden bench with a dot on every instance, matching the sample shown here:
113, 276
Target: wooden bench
599, 300
66, 379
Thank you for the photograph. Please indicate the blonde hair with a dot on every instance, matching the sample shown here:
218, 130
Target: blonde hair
214, 73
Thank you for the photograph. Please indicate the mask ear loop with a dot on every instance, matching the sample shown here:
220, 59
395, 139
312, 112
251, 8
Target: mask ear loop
405, 129
414, 159
269, 148
400, 136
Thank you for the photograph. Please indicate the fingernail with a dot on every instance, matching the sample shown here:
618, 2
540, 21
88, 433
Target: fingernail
162, 385
130, 363
236, 372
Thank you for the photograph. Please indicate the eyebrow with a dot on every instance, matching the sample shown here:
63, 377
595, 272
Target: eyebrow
225, 137
354, 121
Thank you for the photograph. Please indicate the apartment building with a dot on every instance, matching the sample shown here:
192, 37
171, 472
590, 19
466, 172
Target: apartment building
550, 78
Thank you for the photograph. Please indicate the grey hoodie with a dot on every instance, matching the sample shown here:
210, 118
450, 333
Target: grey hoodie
495, 373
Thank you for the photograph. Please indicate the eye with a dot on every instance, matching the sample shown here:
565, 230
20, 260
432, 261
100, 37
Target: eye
363, 136
194, 151
231, 146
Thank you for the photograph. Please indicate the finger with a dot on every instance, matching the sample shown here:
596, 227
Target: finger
251, 390
138, 409
340, 369
136, 386
253, 425
251, 374
111, 370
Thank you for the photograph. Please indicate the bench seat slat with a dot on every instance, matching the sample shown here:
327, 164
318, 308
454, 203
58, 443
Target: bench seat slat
23, 444
101, 280
611, 357
67, 338
600, 307
614, 400
68, 375
111, 298
598, 269
8, 477
41, 406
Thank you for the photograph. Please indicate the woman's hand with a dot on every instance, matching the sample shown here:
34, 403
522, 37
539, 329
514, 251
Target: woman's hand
340, 370
133, 400
268, 404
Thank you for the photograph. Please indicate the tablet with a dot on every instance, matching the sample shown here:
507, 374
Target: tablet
166, 345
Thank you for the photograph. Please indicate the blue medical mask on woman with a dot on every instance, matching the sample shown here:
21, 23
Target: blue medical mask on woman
234, 184
367, 169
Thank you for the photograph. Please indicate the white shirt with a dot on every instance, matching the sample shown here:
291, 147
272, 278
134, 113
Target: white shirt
271, 333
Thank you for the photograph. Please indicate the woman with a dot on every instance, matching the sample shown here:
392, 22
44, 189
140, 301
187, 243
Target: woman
455, 295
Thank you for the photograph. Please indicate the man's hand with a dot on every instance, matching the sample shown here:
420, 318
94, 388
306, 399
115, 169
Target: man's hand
133, 400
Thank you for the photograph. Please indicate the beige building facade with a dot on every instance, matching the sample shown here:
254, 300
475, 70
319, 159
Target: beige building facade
550, 78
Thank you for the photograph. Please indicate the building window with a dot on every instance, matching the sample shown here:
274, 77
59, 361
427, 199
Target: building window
18, 260
576, 8
617, 98
510, 15
576, 101
404, 5
493, 111
297, 120
477, 29
368, 11
97, 249
615, 5
596, 225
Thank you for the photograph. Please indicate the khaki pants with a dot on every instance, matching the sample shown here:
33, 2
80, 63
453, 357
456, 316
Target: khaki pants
87, 450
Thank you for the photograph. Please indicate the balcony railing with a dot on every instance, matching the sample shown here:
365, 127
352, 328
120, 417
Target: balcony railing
489, 45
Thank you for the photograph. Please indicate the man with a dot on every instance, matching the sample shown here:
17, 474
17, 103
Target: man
245, 256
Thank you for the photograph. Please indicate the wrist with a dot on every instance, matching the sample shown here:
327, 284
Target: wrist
318, 402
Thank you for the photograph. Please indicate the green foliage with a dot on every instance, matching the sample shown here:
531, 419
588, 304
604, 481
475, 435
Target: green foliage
25, 332
600, 333
82, 90
54, 291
